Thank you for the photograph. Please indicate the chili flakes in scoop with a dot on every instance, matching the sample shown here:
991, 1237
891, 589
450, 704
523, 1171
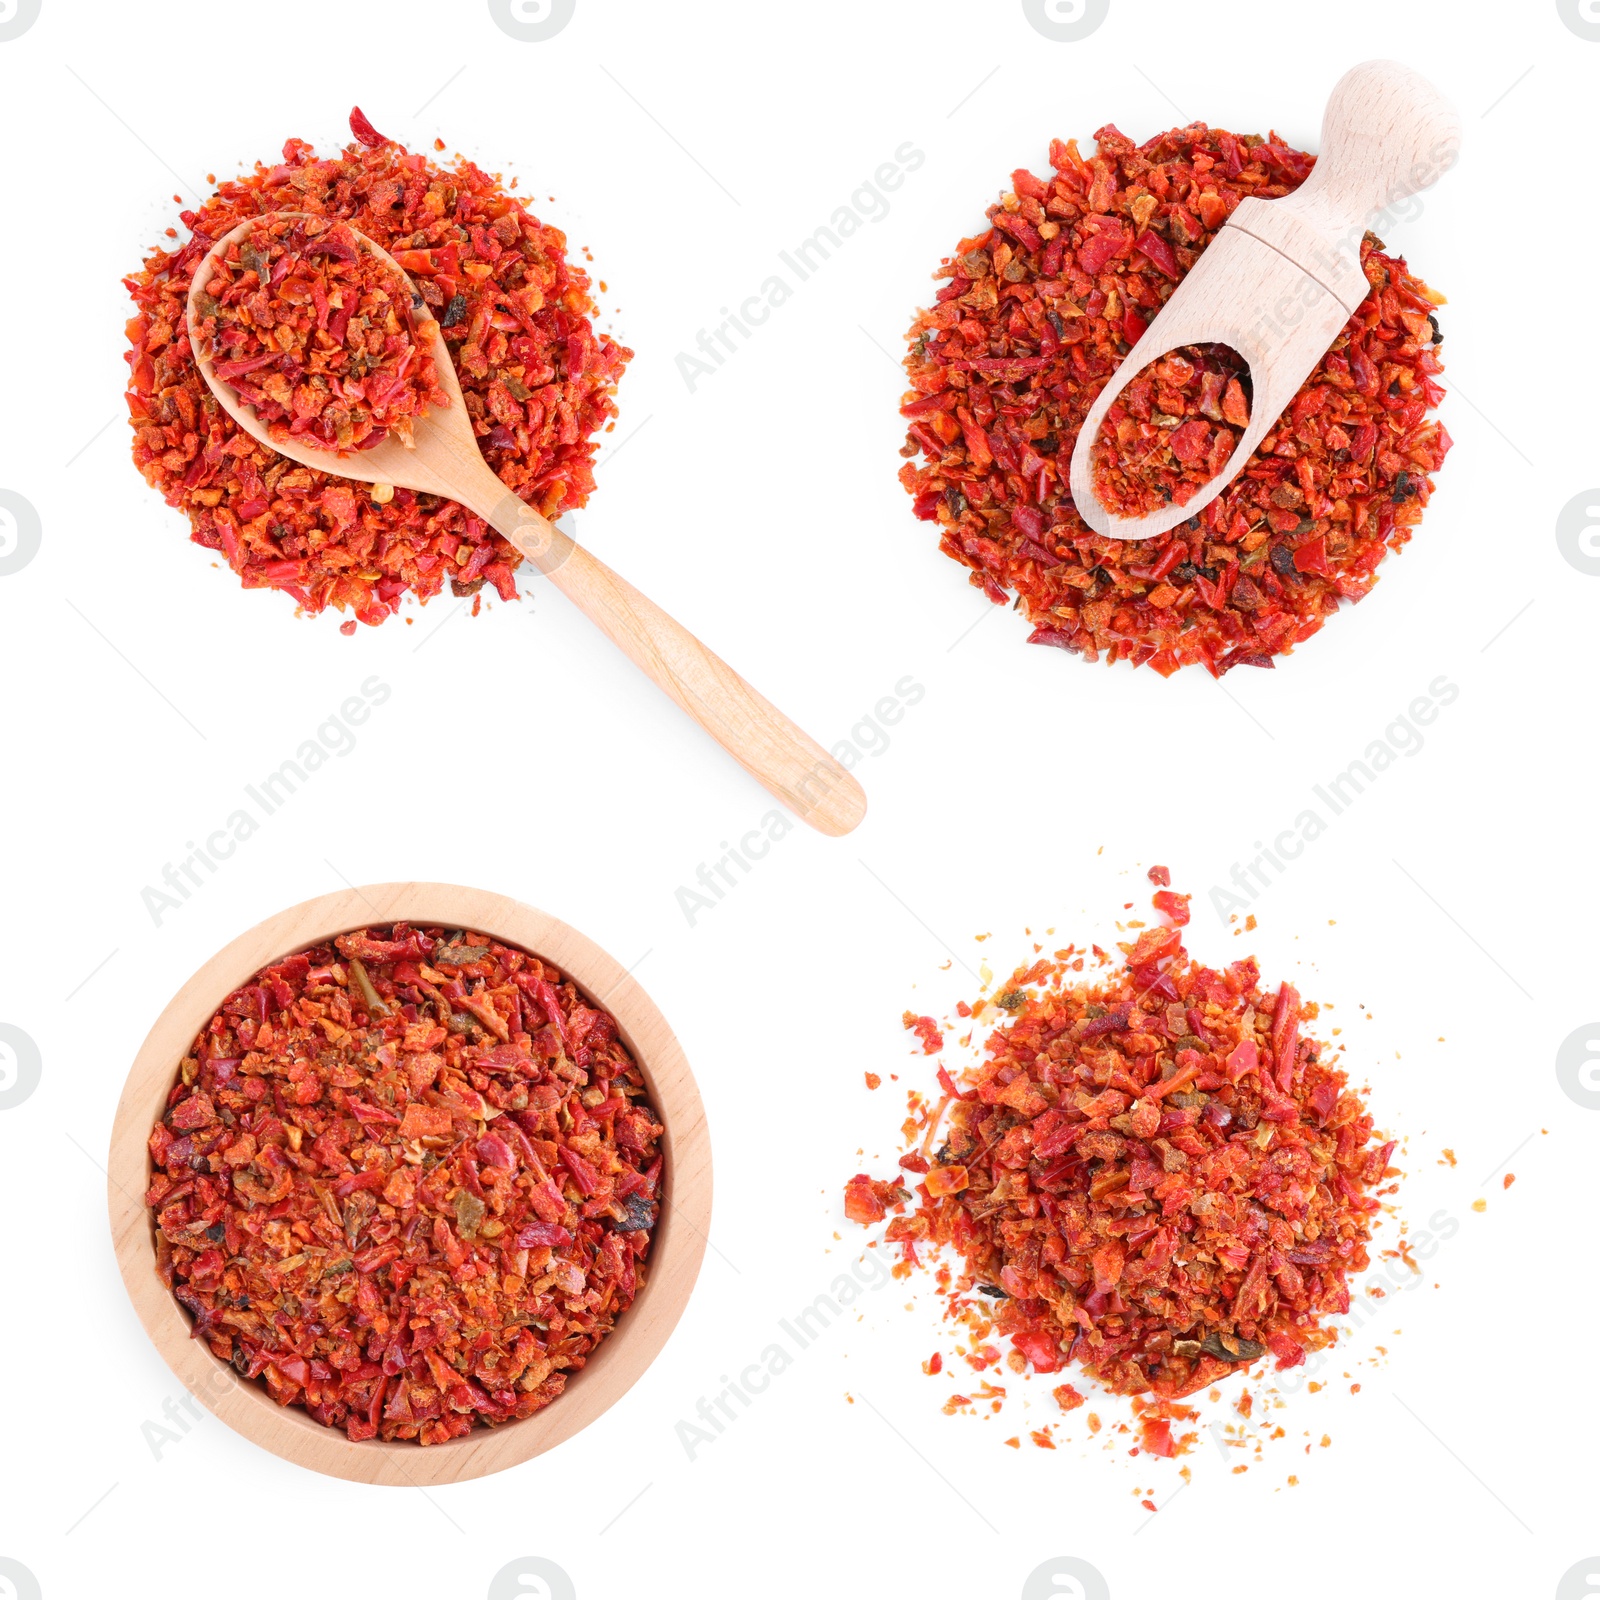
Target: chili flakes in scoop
1172, 430
319, 335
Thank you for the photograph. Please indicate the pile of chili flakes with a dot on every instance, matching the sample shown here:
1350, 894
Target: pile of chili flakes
1039, 311
407, 1179
1153, 1176
538, 381
318, 335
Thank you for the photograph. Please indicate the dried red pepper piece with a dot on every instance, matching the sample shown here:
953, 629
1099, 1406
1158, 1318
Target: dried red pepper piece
394, 1213
538, 380
318, 335
1155, 1176
1038, 312
867, 1200
926, 1030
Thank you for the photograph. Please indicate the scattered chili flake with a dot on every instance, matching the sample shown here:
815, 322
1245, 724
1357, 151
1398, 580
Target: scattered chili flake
1067, 1397
934, 1364
1036, 313
1159, 1171
1155, 1435
868, 1201
1480, 1205
872, 1079
1174, 907
1509, 1179
539, 382
1042, 1439
319, 335
927, 1030
407, 1179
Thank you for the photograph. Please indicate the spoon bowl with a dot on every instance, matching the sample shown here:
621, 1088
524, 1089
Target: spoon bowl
391, 461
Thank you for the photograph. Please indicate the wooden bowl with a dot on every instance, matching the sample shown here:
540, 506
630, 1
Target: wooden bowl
675, 1250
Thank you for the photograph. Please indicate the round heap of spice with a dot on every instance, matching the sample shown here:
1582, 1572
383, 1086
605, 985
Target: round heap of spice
1040, 309
318, 335
407, 1179
1154, 1176
1172, 430
537, 379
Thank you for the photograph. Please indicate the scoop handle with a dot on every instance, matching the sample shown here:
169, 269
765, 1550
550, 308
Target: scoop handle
770, 747
1387, 133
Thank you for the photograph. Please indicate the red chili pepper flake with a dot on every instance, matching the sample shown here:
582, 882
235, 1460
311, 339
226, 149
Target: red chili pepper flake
408, 1180
946, 1180
538, 380
363, 130
1175, 907
1509, 1179
1155, 1436
873, 1080
1038, 312
1154, 1176
310, 328
934, 1364
867, 1200
927, 1030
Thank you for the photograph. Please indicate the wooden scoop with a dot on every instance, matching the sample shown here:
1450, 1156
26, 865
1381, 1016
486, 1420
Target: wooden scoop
1282, 278
444, 460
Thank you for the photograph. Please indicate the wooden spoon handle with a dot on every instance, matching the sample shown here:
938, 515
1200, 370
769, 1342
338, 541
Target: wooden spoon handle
750, 728
1387, 134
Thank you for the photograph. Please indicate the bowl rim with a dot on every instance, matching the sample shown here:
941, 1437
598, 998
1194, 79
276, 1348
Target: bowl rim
676, 1250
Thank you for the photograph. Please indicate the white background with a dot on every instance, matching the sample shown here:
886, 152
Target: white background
1446, 916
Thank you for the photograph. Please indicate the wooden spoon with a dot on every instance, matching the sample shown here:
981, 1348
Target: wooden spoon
1282, 278
444, 460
